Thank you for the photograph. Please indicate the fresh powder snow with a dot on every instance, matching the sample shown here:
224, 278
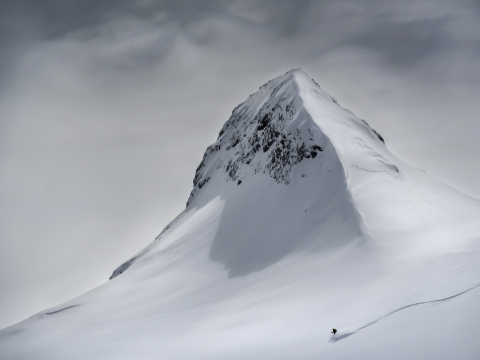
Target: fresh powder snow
300, 221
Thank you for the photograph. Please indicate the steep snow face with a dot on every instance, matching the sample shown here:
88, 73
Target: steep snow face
300, 221
396, 202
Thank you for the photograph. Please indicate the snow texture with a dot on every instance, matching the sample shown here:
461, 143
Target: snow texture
300, 220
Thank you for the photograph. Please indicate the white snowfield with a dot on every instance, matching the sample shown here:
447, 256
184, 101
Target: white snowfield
300, 221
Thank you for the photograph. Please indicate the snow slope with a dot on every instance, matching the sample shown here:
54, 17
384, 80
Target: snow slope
300, 221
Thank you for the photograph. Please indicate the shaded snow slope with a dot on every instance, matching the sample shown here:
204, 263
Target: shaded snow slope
300, 221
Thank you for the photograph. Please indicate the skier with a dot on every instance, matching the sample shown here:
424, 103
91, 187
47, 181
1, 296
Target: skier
334, 331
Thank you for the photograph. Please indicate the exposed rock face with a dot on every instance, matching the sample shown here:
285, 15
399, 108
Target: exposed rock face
260, 136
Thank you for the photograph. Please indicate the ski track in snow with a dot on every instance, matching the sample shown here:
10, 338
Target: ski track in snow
346, 333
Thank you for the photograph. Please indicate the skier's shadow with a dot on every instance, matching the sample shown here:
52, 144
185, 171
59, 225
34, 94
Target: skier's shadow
336, 337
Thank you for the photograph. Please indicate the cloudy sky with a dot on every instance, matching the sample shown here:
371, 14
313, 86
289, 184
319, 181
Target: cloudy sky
106, 108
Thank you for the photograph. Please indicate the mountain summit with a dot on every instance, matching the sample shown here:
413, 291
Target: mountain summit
273, 130
300, 220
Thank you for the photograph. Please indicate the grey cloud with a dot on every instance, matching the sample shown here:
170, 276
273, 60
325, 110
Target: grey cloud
57, 18
404, 44
287, 16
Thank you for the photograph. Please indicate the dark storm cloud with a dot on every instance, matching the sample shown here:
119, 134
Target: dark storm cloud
406, 43
402, 43
287, 16
25, 21
57, 18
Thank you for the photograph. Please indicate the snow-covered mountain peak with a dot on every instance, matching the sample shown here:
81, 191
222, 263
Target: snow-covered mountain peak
302, 173
288, 120
275, 167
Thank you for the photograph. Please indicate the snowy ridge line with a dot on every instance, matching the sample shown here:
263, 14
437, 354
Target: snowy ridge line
340, 335
345, 166
124, 266
57, 311
375, 171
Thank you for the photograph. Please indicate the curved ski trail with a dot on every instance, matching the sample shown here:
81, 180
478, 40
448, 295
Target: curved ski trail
342, 334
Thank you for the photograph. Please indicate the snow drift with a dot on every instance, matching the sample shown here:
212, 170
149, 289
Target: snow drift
300, 220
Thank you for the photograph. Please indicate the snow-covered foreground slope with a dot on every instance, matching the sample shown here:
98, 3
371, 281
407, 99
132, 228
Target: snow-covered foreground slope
300, 221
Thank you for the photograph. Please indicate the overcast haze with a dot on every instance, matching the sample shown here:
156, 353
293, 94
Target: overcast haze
106, 108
